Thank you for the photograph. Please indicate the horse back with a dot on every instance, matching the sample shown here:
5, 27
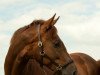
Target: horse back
85, 64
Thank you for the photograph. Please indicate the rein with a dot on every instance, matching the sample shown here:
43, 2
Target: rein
43, 54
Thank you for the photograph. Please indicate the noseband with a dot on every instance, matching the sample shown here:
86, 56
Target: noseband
43, 54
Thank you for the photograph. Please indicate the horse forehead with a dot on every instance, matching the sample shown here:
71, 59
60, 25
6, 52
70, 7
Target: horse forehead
53, 30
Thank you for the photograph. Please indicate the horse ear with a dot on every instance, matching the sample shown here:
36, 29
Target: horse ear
50, 21
53, 23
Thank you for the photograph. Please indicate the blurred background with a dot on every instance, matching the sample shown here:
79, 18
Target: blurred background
78, 25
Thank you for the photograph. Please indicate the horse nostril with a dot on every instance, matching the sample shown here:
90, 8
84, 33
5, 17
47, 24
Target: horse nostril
74, 73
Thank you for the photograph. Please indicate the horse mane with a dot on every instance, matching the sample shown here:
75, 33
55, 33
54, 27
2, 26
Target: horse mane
19, 41
20, 30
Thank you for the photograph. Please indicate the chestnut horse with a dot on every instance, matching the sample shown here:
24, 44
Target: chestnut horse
36, 49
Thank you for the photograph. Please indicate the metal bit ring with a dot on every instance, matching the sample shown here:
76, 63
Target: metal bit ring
59, 68
42, 53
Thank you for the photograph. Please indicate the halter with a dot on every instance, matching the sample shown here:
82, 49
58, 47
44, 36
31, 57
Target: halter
43, 54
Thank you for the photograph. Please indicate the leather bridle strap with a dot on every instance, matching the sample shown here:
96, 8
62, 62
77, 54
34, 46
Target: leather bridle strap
59, 67
42, 54
40, 45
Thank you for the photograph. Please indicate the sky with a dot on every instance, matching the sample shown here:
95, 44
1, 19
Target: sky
78, 26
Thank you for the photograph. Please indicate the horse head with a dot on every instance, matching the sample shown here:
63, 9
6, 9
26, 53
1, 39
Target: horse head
48, 45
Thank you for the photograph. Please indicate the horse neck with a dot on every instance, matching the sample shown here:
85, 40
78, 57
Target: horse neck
33, 68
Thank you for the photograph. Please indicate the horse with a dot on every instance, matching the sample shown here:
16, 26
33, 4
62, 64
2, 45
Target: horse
85, 64
36, 49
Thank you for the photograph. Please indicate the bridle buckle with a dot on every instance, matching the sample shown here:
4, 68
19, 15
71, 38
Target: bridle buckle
40, 44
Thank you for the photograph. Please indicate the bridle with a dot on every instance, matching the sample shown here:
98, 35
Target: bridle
43, 54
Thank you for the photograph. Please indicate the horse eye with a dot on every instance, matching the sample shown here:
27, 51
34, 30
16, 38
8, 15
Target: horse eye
57, 44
